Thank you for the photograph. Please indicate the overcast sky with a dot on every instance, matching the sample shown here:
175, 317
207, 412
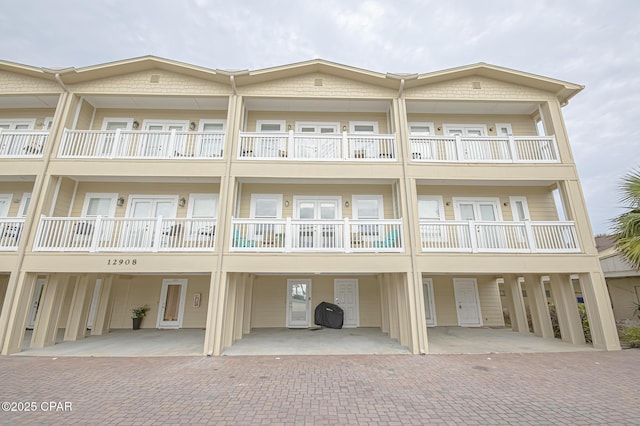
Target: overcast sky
593, 43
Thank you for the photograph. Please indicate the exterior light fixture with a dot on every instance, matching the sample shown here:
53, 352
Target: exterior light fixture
182, 201
135, 124
120, 202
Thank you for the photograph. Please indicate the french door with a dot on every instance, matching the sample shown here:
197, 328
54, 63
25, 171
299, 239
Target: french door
471, 149
158, 142
317, 147
321, 235
141, 233
298, 303
484, 211
14, 144
171, 307
104, 146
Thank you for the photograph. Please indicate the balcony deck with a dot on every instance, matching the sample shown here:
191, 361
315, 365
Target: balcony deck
22, 143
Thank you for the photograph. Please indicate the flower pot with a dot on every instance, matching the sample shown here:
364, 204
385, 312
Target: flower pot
136, 323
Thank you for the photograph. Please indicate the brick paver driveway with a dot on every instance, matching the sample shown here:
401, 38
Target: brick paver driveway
558, 388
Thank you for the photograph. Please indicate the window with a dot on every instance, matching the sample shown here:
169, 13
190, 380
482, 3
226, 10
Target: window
5, 202
431, 208
421, 129
519, 209
99, 204
268, 147
24, 204
504, 129
366, 127
105, 145
367, 207
465, 129
265, 206
211, 144
203, 208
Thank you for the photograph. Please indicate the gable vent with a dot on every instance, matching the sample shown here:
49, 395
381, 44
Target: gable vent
317, 82
155, 78
476, 85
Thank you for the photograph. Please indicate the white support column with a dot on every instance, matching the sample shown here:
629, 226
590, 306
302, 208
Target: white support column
230, 310
384, 304
519, 320
16, 313
51, 301
103, 311
218, 321
564, 299
80, 305
539, 308
240, 305
248, 304
598, 305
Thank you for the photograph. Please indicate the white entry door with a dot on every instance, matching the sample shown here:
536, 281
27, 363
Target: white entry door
158, 143
35, 302
484, 211
429, 302
324, 235
298, 303
467, 302
171, 308
140, 233
345, 292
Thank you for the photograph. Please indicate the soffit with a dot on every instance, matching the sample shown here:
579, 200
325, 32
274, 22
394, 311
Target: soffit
301, 181
158, 102
314, 105
444, 182
29, 101
471, 107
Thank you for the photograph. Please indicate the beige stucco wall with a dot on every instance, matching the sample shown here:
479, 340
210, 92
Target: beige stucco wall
625, 294
291, 117
445, 302
521, 125
290, 191
130, 291
269, 307
539, 199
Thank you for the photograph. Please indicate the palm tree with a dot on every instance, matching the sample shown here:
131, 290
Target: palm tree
626, 227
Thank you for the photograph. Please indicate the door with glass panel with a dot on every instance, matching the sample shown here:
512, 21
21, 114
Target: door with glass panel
317, 146
171, 306
472, 149
15, 144
429, 302
210, 144
264, 232
141, 230
321, 235
487, 236
267, 146
298, 303
158, 142
105, 143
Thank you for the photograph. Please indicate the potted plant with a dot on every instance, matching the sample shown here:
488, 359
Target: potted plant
137, 314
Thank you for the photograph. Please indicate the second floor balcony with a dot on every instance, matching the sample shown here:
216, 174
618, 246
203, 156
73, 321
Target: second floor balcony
108, 234
498, 237
300, 146
484, 149
143, 144
10, 231
22, 143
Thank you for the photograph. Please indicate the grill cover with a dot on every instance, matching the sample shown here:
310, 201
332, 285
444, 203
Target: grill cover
329, 315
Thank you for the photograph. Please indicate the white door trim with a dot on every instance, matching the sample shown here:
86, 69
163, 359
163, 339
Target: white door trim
457, 282
356, 298
182, 282
307, 322
427, 287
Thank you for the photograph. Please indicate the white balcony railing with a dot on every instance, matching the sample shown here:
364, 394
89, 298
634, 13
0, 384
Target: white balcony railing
10, 230
498, 237
22, 143
317, 147
141, 144
512, 149
294, 235
107, 234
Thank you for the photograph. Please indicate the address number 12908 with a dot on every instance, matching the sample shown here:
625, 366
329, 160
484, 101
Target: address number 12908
122, 262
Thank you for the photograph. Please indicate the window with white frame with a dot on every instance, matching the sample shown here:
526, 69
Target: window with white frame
99, 204
210, 144
362, 146
5, 202
519, 209
269, 146
203, 210
431, 209
265, 206
421, 129
367, 207
24, 204
365, 127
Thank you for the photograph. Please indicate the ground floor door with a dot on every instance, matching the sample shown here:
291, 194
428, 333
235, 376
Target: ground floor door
467, 302
345, 292
298, 303
429, 304
172, 298
35, 302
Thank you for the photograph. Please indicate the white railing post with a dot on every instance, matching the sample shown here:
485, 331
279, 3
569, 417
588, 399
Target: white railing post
555, 147
346, 238
115, 148
1, 144
459, 150
531, 237
290, 144
96, 234
512, 149
172, 143
37, 242
288, 235
157, 235
473, 237
345, 146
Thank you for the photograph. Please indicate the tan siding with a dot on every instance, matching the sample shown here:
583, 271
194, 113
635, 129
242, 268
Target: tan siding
16, 83
4, 282
196, 317
462, 88
269, 307
369, 303
327, 117
521, 125
160, 114
84, 116
445, 301
304, 86
539, 199
140, 82
138, 188
289, 191
64, 198
66, 303
490, 303
38, 113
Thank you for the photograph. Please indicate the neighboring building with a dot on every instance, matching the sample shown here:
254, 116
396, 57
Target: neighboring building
232, 200
623, 281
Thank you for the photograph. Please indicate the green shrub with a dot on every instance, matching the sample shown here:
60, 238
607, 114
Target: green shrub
585, 322
631, 336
